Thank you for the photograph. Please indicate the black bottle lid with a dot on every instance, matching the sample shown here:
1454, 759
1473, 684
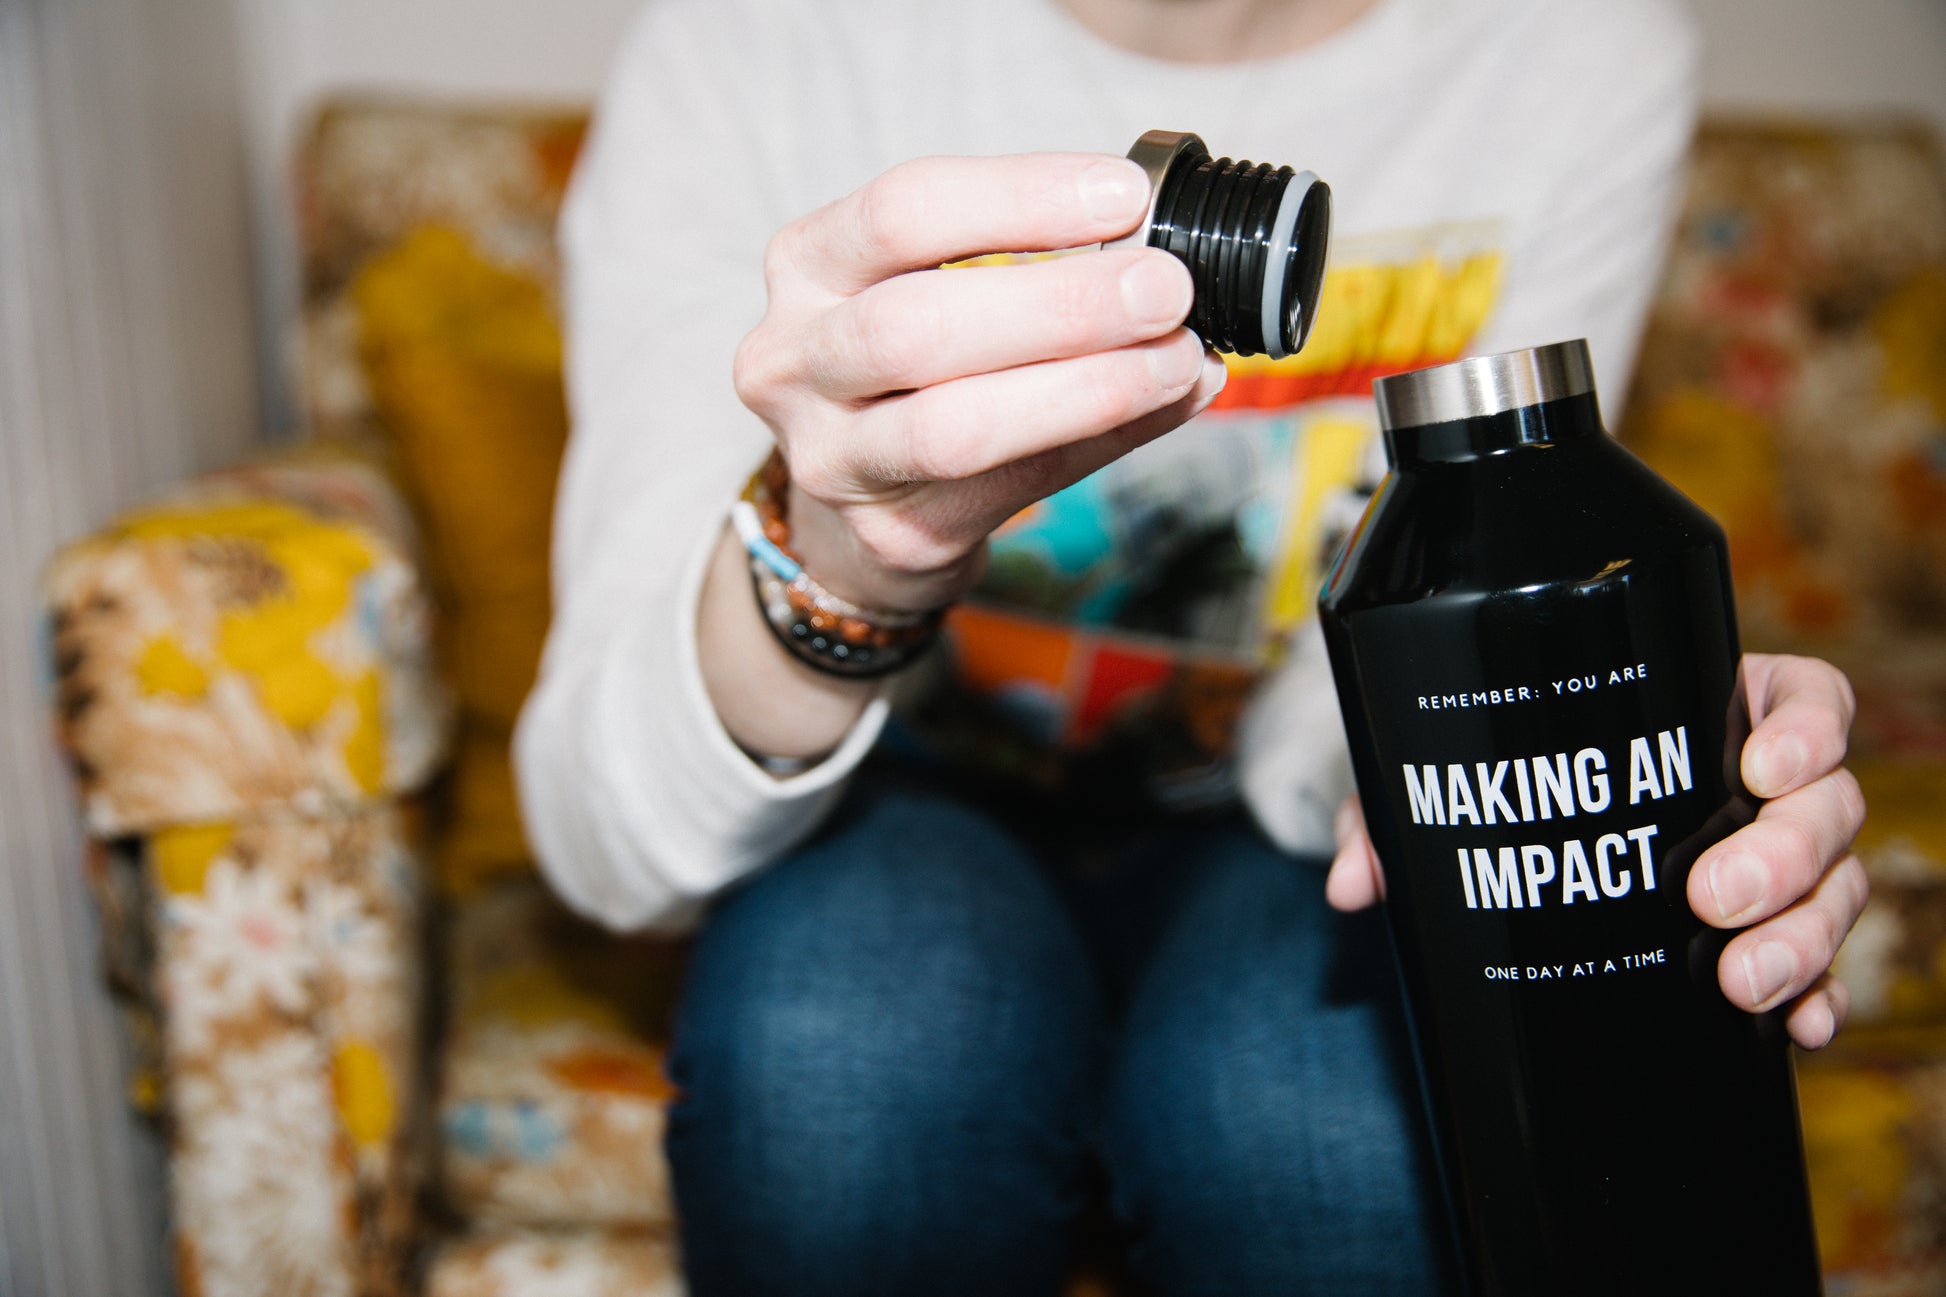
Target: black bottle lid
1254, 238
1488, 404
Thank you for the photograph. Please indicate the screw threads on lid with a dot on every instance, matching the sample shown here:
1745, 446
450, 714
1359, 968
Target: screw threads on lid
1252, 235
1214, 217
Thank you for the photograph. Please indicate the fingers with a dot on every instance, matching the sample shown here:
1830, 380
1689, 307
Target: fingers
915, 330
970, 426
1803, 710
1039, 476
1790, 872
1786, 955
916, 530
1819, 1013
1777, 858
933, 210
1355, 881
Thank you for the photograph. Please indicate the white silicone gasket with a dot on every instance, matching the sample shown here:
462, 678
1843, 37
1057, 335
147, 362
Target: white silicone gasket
1283, 228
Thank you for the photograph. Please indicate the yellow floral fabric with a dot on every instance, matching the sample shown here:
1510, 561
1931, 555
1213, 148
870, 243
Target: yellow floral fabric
464, 359
431, 317
259, 641
288, 996
1792, 381
532, 1264
464, 362
553, 1098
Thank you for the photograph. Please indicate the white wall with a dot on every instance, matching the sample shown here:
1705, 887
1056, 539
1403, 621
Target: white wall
124, 363
1826, 55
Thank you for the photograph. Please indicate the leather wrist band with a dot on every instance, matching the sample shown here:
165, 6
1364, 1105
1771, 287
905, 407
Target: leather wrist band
817, 627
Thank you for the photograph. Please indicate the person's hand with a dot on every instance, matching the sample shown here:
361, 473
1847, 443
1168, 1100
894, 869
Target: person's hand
920, 408
1789, 876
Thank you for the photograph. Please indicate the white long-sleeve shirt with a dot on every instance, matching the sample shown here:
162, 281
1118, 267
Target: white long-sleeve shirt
1549, 131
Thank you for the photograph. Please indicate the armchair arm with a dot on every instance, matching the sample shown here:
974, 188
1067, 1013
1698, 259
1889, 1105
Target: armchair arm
287, 969
245, 686
257, 643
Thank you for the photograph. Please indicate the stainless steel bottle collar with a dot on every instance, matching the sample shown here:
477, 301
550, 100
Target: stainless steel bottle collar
1484, 385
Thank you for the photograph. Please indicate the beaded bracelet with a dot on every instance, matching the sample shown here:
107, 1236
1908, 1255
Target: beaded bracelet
817, 627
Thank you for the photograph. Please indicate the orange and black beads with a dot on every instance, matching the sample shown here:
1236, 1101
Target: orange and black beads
818, 627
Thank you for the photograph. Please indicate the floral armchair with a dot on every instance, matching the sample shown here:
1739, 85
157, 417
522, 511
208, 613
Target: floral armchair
386, 1061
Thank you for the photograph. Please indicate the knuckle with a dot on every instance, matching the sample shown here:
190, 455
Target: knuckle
1851, 800
1858, 887
1108, 395
1831, 934
1797, 849
1073, 305
781, 255
935, 443
890, 342
754, 370
931, 457
890, 206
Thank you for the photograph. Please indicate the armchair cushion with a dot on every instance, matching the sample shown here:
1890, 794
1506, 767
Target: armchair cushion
430, 315
464, 362
553, 1096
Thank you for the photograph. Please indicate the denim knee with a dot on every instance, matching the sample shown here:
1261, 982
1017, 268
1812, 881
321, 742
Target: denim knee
1263, 1130
884, 1053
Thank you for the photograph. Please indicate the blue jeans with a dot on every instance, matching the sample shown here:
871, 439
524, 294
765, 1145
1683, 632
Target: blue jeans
911, 1053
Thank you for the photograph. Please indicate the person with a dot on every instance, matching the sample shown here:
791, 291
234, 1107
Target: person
933, 1009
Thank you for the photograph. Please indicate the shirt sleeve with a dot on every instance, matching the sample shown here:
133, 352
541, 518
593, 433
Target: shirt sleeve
637, 802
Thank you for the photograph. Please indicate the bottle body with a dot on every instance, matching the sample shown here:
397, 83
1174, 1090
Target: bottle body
1535, 647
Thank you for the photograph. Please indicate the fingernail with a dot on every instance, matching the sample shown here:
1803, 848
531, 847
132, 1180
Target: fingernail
1215, 374
1736, 883
1156, 290
1768, 969
1175, 365
1115, 190
1778, 762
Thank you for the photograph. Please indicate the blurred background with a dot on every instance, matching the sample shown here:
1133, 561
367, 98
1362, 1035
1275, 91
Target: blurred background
152, 276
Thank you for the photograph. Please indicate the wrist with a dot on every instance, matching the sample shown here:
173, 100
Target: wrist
817, 625
825, 543
771, 703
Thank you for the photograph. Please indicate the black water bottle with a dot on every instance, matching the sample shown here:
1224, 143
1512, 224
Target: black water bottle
1536, 655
